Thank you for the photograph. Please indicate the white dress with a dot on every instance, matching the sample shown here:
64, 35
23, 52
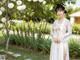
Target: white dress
61, 29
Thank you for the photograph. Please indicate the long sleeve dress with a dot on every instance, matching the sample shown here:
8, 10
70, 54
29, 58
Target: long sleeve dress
62, 30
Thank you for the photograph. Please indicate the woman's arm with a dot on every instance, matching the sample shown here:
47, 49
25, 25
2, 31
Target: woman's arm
68, 31
52, 33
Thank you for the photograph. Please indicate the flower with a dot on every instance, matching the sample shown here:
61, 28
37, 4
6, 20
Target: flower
35, 0
0, 12
2, 9
1, 25
29, 0
41, 0
10, 5
13, 0
22, 7
51, 8
44, 2
19, 7
3, 19
19, 2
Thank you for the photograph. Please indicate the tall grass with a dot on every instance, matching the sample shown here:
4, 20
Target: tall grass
30, 35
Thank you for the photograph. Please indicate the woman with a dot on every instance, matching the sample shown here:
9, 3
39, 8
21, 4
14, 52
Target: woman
61, 30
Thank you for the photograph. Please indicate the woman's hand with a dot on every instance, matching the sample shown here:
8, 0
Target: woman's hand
56, 40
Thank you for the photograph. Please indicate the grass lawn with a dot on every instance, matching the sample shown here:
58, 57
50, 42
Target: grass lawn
25, 54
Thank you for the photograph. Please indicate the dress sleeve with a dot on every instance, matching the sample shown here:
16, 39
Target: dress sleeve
68, 31
52, 30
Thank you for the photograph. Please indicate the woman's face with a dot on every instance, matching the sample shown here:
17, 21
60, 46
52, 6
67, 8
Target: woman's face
60, 14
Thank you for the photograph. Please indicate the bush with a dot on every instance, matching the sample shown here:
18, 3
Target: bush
42, 27
76, 29
31, 26
42, 44
74, 47
39, 43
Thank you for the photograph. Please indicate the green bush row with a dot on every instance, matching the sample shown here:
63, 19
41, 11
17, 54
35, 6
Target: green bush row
30, 26
76, 29
74, 48
42, 27
35, 44
42, 44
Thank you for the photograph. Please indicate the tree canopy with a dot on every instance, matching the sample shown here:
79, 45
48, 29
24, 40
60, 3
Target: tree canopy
34, 9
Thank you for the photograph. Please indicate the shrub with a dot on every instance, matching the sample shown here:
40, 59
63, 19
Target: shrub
38, 44
74, 47
76, 29
31, 26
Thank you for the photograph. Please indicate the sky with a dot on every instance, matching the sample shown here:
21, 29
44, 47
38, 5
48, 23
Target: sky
78, 3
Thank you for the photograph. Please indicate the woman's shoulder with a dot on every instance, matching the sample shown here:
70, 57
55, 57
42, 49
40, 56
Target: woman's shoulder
67, 21
55, 21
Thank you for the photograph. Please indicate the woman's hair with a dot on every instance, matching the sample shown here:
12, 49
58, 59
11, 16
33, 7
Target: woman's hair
60, 7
